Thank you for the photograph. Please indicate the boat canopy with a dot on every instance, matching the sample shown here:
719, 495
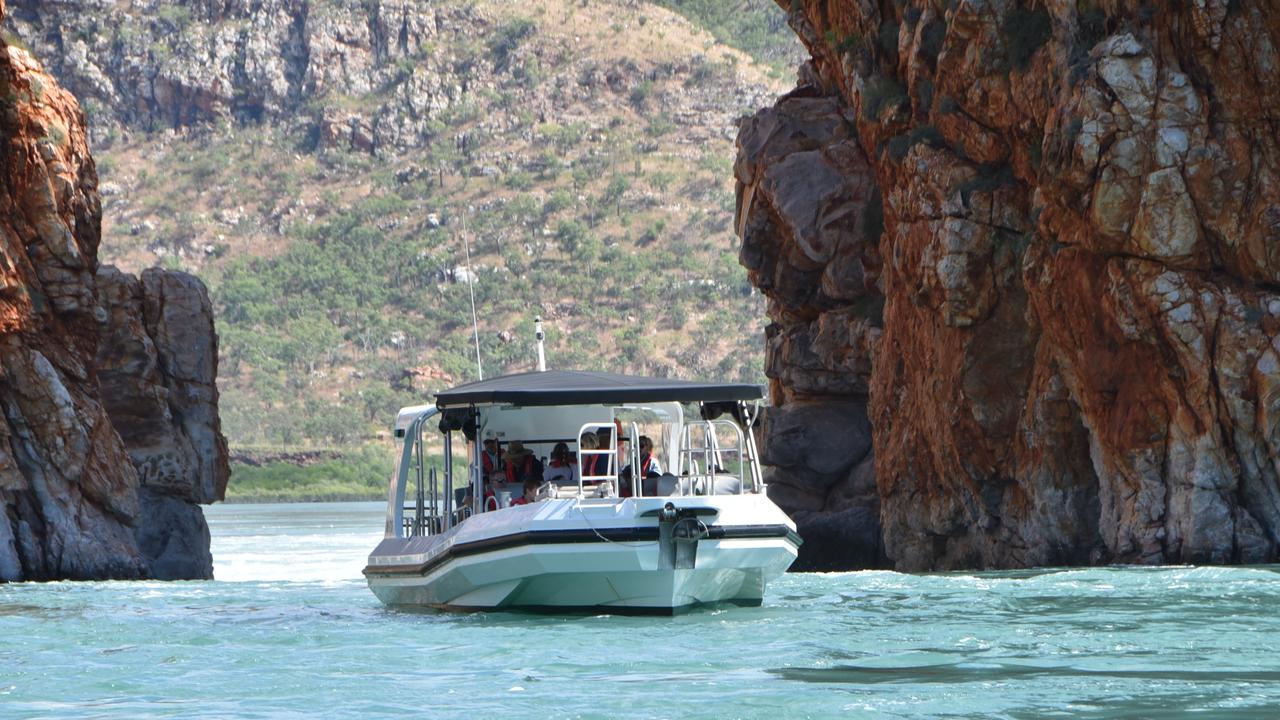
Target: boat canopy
563, 387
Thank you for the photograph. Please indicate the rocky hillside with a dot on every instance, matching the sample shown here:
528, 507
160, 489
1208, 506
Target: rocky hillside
110, 434
1023, 255
320, 163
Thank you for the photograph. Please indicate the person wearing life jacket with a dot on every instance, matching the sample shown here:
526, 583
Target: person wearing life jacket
594, 463
493, 464
493, 470
561, 469
649, 466
521, 463
604, 438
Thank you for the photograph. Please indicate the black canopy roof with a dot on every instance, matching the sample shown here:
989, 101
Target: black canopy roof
561, 387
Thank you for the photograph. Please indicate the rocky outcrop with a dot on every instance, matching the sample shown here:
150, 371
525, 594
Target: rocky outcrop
71, 501
810, 243
157, 362
169, 64
1038, 241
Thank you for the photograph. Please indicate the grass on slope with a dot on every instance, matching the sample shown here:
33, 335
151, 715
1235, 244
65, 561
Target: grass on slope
336, 274
757, 27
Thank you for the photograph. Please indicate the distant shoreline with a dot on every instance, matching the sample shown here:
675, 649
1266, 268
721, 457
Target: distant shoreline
309, 476
271, 498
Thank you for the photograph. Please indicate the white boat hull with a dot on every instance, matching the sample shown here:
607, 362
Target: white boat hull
563, 555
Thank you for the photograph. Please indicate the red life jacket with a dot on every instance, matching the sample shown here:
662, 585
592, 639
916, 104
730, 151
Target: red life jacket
645, 462
526, 467
595, 465
492, 463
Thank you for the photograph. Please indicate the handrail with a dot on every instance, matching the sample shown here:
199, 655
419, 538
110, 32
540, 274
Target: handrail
611, 451
712, 453
637, 479
750, 412
400, 474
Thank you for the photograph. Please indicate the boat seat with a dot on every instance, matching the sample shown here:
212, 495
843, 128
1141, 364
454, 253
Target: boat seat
668, 484
568, 491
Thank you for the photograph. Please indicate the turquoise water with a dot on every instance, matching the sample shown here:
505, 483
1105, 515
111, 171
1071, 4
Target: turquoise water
289, 630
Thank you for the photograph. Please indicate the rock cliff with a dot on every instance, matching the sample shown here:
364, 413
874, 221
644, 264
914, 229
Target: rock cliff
166, 64
1022, 257
77, 501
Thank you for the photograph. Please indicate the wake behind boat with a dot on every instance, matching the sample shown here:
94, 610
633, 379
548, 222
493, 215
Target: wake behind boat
587, 532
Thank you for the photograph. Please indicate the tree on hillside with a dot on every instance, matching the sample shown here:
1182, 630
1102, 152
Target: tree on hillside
614, 192
571, 234
314, 339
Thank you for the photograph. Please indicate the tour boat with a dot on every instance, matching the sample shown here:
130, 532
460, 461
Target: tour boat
702, 533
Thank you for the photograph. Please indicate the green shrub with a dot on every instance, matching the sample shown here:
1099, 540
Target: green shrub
508, 38
518, 180
756, 27
641, 92
358, 475
572, 235
559, 200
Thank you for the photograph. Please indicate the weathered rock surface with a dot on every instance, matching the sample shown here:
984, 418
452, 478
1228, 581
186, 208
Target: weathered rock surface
1039, 240
157, 363
809, 241
162, 64
70, 503
384, 76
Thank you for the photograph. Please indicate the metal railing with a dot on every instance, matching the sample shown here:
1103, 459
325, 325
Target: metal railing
432, 510
750, 413
702, 477
611, 468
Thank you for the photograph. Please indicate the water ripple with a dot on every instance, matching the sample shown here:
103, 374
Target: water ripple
307, 639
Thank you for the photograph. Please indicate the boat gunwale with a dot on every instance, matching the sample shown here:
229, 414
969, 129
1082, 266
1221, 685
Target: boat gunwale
566, 536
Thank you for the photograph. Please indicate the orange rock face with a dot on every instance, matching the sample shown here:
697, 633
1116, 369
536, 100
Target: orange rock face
72, 504
1068, 333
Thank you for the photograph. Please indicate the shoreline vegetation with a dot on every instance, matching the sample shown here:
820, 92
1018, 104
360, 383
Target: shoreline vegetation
309, 475
313, 475
301, 498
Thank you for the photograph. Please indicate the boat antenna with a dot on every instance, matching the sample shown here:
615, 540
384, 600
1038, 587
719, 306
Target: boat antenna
539, 335
471, 277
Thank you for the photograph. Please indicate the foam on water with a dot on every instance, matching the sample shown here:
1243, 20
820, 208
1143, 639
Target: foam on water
290, 630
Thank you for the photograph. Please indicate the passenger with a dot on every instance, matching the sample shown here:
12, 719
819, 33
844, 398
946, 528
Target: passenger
593, 462
490, 498
494, 465
531, 485
649, 467
521, 463
604, 438
562, 469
